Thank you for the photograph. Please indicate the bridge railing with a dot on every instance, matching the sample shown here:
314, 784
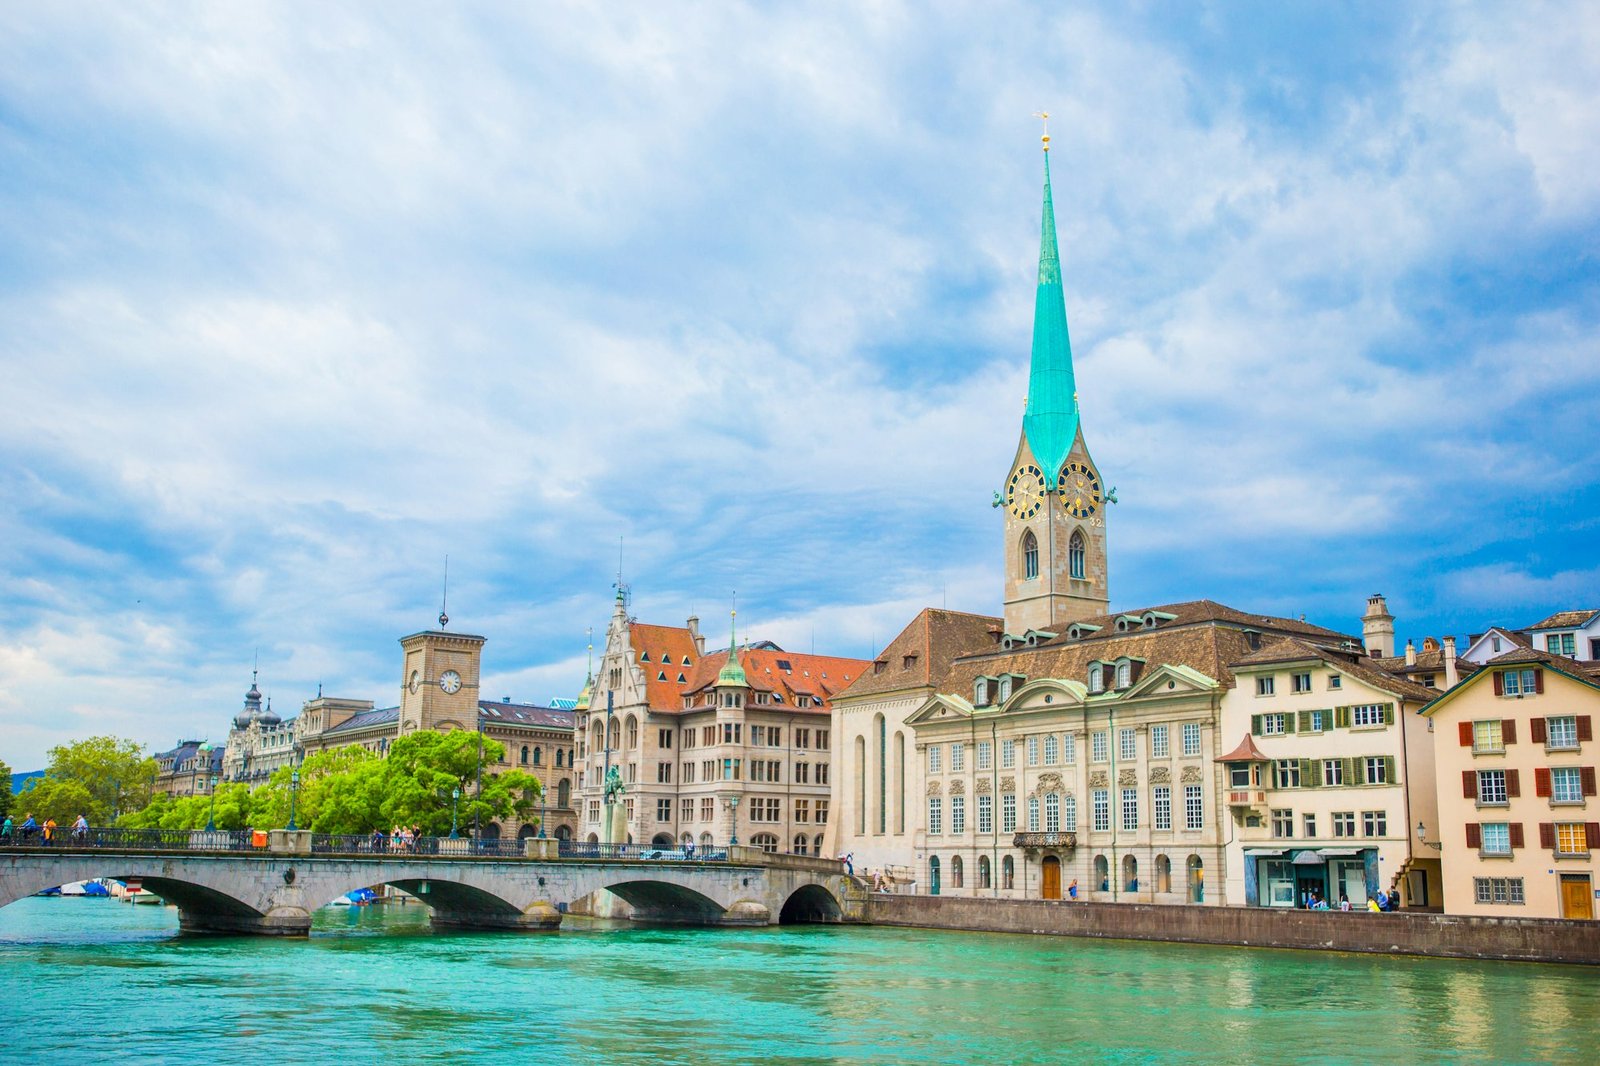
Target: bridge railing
579, 849
135, 839
388, 844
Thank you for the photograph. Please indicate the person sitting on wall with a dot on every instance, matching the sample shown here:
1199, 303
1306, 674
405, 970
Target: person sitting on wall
1344, 902
1072, 889
1372, 904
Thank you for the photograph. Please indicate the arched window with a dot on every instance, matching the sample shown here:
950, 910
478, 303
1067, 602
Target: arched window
861, 785
563, 833
1163, 874
1124, 674
1052, 750
1005, 689
705, 840
1070, 810
1097, 678
984, 873
1102, 873
688, 838
801, 844
956, 872
594, 838
564, 794
560, 758
1075, 554
1197, 880
538, 756
1052, 813
633, 732
614, 735
899, 783
933, 875
1033, 814
524, 755
1008, 873
1030, 555
599, 731
882, 745
661, 840
766, 842
816, 845
1130, 873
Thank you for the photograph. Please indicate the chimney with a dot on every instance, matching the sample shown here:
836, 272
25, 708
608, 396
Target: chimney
1377, 627
1452, 677
694, 631
1411, 654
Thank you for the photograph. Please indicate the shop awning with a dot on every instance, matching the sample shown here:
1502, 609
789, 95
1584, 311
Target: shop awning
1340, 853
1263, 853
1307, 858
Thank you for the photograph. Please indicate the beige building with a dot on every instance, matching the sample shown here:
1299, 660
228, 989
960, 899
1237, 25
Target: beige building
1517, 826
1331, 769
188, 769
711, 749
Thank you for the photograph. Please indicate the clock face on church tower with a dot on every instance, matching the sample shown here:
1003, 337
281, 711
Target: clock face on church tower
1079, 486
1025, 491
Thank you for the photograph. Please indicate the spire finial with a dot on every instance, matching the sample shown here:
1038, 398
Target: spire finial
732, 673
444, 595
1044, 117
1050, 422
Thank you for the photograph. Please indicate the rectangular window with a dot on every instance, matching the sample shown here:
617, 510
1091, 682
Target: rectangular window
731, 769
1033, 814
1561, 644
1344, 823
1376, 769
933, 758
1571, 839
663, 810
1282, 822
708, 808
1127, 745
958, 757
1519, 683
1566, 785
594, 810
758, 735
985, 755
822, 739
1367, 714
732, 732
1163, 806
935, 814
664, 738
802, 773
802, 811
1193, 807
1102, 810
1495, 838
1008, 813
958, 814
663, 773
1272, 725
1561, 732
1158, 742
1033, 751
1191, 738
1308, 825
1130, 808
1498, 889
1097, 747
1008, 754
1335, 681
1052, 813
822, 812
1069, 749
985, 814
1301, 682
1333, 772
1052, 750
1374, 823
1286, 773
1264, 686
686, 810
1314, 721
822, 773
802, 738
1492, 788
1486, 736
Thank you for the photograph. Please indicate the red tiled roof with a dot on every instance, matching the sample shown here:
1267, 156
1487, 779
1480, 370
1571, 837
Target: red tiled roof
1245, 752
818, 676
661, 650
1566, 620
923, 651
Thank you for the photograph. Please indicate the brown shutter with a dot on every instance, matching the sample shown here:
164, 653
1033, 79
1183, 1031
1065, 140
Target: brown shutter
1499, 683
1474, 835
1541, 781
1508, 731
1538, 680
1592, 831
1536, 731
1469, 784
1515, 832
1513, 789
1464, 731
1547, 835
1586, 775
1585, 727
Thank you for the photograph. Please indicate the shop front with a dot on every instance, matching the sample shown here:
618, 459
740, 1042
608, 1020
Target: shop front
1290, 877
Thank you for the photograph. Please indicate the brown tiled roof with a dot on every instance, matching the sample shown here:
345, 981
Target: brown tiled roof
922, 652
667, 648
1515, 636
1566, 620
1290, 649
786, 673
1245, 752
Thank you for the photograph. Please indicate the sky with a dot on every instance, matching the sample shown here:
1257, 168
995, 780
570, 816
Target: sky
297, 300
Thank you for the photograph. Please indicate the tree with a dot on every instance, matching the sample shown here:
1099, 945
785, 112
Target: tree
100, 777
58, 798
5, 789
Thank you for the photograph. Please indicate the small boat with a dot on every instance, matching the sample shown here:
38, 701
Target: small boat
359, 897
56, 891
90, 889
144, 896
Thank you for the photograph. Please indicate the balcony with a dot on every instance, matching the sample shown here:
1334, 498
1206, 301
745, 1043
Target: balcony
1034, 841
1247, 797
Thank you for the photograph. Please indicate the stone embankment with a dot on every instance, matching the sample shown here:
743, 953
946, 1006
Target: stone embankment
1403, 933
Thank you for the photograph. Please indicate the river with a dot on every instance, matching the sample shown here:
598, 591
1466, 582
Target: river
87, 980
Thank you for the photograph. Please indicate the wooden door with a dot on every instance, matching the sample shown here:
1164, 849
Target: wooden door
1576, 899
1052, 878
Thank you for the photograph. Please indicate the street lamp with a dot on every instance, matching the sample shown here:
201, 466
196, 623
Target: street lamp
733, 834
541, 810
1422, 837
211, 814
294, 787
455, 794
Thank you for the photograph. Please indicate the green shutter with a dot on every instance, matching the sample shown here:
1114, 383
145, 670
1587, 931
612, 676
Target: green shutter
1388, 770
1288, 722
1341, 717
1308, 773
1305, 721
1255, 724
1388, 714
1351, 765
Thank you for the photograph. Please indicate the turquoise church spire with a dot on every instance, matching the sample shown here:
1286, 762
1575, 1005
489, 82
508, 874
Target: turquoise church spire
1051, 421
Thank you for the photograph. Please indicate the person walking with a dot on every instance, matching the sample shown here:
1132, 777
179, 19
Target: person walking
5, 830
1072, 889
29, 828
49, 830
80, 829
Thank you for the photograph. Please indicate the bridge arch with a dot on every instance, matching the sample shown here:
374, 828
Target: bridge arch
655, 900
201, 906
813, 904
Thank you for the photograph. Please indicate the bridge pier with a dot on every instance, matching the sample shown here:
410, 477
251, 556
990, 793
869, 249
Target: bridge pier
538, 917
284, 922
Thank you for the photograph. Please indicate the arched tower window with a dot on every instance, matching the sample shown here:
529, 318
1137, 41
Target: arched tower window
883, 773
1075, 553
1030, 555
899, 782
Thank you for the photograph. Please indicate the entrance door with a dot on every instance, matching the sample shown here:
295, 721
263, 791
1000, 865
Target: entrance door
1577, 901
1051, 888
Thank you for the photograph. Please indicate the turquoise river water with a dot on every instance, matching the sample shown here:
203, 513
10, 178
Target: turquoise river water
97, 980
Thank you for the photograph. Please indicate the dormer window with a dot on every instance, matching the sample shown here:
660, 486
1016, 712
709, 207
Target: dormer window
1124, 674
1097, 678
1005, 689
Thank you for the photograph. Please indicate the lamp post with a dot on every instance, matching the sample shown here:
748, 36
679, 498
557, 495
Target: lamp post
294, 787
455, 794
733, 833
211, 814
541, 810
1422, 838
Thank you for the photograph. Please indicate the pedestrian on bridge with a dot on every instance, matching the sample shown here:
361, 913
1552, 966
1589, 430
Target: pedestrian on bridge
5, 830
49, 830
80, 829
29, 828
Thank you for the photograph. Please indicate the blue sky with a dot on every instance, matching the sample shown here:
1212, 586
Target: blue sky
296, 300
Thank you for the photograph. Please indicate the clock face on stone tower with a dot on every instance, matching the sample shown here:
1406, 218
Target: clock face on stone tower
450, 681
1079, 486
1025, 491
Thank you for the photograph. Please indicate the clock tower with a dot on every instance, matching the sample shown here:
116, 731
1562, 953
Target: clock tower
1055, 502
439, 683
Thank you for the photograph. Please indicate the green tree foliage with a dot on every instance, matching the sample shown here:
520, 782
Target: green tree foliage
5, 789
97, 777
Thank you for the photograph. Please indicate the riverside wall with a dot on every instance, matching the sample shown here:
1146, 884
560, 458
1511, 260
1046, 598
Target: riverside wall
1402, 933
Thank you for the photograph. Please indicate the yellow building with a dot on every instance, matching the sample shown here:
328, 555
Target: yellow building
1515, 754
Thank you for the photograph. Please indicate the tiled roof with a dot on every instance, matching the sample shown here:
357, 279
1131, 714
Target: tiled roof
366, 719
496, 712
668, 648
1567, 620
922, 652
1290, 649
786, 673
1516, 636
1245, 752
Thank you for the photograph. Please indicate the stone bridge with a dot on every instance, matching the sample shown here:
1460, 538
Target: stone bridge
276, 892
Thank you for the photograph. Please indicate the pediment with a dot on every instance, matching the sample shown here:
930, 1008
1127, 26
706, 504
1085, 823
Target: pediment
940, 708
1039, 691
1168, 679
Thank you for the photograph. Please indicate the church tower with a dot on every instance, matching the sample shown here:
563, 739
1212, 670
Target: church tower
1055, 539
439, 683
